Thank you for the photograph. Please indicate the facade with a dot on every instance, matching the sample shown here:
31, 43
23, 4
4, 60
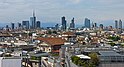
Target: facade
87, 23
10, 62
50, 44
25, 24
111, 59
64, 24
72, 24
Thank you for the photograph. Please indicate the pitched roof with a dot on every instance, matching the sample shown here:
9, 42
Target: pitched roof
52, 41
69, 33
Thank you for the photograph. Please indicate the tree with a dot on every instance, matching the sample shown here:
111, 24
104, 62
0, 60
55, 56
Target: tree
94, 59
114, 38
75, 59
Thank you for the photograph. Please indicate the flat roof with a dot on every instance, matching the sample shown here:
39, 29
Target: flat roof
109, 53
83, 56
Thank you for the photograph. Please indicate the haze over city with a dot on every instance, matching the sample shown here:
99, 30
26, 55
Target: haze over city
51, 11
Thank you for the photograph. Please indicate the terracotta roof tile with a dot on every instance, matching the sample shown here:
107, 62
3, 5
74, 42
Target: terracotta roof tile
52, 41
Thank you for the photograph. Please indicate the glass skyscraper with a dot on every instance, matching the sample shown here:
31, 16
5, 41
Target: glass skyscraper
25, 24
38, 24
87, 23
64, 24
120, 24
12, 26
33, 21
72, 24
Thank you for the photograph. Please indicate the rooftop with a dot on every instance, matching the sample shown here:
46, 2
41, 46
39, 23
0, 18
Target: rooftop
109, 53
83, 56
52, 41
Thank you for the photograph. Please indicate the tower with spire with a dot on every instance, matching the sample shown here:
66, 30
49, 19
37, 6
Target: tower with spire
33, 21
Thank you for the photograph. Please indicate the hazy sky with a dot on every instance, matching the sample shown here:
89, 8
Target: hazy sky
53, 10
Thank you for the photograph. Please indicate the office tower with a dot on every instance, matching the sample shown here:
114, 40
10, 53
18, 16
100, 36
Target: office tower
63, 24
101, 26
95, 25
120, 24
12, 25
25, 24
57, 26
116, 24
72, 24
33, 21
38, 24
19, 25
87, 23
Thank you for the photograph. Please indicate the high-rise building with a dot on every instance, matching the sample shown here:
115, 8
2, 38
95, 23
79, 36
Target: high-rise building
38, 24
72, 24
64, 24
25, 24
95, 25
116, 24
33, 21
120, 24
12, 26
19, 25
101, 26
87, 23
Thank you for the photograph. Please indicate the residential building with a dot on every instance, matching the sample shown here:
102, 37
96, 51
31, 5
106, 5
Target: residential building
50, 44
10, 62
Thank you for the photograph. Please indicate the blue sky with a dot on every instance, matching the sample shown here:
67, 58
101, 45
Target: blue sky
52, 10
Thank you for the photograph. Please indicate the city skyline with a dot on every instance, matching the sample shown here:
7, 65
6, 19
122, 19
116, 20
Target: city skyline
50, 11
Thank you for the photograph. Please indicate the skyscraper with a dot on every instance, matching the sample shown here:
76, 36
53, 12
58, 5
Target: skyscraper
19, 25
12, 26
116, 24
95, 25
101, 26
63, 24
38, 24
120, 24
25, 24
72, 24
33, 21
87, 23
